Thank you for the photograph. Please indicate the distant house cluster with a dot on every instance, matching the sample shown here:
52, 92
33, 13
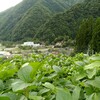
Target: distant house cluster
31, 44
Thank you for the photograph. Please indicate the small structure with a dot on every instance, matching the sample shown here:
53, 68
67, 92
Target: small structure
31, 44
5, 54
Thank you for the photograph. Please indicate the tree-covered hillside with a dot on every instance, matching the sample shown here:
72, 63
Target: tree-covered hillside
67, 24
22, 21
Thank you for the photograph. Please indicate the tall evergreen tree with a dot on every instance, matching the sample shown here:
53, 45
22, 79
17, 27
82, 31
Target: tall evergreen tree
84, 35
95, 42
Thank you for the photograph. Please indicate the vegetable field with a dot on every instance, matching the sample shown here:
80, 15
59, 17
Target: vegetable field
50, 77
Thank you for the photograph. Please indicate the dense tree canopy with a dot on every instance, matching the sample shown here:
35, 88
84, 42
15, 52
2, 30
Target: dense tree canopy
84, 34
23, 21
95, 41
88, 36
67, 23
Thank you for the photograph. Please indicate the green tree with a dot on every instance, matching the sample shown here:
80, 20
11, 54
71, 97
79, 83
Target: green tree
84, 35
95, 42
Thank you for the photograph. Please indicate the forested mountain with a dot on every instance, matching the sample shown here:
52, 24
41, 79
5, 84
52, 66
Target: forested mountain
23, 21
53, 21
67, 23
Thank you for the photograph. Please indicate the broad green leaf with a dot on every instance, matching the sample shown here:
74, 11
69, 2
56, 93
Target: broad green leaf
23, 98
79, 63
33, 94
8, 83
32, 97
49, 86
4, 98
91, 72
52, 97
89, 90
95, 58
94, 96
19, 85
95, 82
63, 94
89, 97
92, 65
25, 73
1, 85
57, 69
42, 91
80, 75
24, 65
52, 75
35, 66
76, 93
7, 71
12, 96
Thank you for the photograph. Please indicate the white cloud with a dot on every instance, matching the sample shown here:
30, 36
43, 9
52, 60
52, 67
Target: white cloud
5, 4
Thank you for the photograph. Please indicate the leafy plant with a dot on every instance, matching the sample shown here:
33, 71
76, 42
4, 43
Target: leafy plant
51, 77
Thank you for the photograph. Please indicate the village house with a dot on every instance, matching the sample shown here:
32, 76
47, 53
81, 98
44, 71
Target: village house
31, 44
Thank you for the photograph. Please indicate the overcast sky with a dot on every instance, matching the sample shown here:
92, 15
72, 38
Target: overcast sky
5, 4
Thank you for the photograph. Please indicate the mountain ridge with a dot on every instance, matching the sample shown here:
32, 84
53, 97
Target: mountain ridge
12, 19
67, 23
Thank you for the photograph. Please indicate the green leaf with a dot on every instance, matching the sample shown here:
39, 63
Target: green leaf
33, 96
4, 98
12, 96
35, 66
23, 98
89, 90
95, 82
76, 93
19, 85
95, 58
42, 91
7, 70
57, 69
92, 65
36, 97
89, 97
1, 85
94, 96
80, 75
79, 63
25, 73
63, 94
91, 72
49, 86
